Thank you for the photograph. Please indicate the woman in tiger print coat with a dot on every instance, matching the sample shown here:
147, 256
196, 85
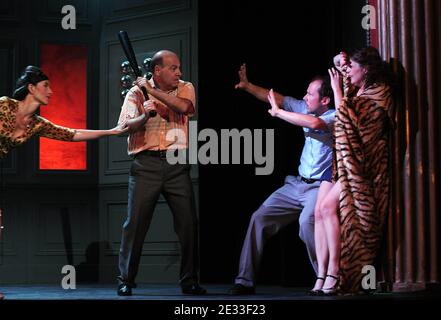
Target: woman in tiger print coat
361, 164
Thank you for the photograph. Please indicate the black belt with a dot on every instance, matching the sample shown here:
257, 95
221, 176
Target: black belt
160, 153
309, 181
156, 153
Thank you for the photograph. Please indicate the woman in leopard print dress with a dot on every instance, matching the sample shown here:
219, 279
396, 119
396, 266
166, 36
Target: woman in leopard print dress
18, 121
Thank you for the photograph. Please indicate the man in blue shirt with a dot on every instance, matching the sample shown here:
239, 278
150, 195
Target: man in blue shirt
297, 197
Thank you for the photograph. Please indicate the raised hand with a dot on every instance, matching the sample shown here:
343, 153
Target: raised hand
243, 80
336, 84
343, 58
335, 78
274, 106
340, 60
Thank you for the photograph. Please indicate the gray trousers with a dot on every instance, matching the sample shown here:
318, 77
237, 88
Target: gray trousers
149, 177
295, 200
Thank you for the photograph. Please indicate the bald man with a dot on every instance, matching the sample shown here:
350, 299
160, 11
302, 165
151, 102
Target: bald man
151, 174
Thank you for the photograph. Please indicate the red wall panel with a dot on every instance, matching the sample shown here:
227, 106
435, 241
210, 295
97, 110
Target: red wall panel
374, 32
66, 67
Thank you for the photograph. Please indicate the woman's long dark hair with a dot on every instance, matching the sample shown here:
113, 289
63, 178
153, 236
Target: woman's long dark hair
378, 71
30, 75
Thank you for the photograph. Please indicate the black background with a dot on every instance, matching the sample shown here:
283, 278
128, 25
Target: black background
284, 45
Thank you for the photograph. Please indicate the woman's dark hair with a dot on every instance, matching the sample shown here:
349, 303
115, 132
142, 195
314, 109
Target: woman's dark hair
31, 75
378, 71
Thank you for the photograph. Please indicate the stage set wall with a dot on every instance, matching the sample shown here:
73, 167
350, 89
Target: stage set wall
60, 217
54, 218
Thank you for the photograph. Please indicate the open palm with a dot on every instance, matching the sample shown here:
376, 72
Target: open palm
243, 80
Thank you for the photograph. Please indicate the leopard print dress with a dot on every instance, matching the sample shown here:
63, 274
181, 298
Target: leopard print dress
362, 160
38, 126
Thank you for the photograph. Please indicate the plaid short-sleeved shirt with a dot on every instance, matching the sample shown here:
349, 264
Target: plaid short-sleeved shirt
168, 130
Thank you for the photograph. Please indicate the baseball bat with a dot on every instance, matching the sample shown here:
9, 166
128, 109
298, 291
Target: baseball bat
130, 55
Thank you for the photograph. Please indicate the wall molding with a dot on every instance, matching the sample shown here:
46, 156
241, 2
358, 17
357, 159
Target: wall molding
142, 11
10, 15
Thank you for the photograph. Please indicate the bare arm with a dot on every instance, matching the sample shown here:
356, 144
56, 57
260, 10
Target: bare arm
342, 64
84, 135
180, 105
177, 104
302, 120
298, 119
258, 92
336, 86
135, 123
56, 132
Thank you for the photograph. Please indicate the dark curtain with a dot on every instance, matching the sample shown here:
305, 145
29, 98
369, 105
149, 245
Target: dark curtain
409, 37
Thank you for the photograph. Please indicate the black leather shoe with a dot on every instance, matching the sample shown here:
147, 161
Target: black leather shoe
124, 290
194, 289
240, 290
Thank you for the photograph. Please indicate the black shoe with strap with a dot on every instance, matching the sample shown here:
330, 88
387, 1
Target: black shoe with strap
317, 292
332, 291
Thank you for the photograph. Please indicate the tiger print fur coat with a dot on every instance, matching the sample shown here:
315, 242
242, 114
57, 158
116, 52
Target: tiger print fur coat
361, 165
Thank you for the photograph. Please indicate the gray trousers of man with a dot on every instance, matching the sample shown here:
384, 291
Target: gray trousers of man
295, 200
149, 177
